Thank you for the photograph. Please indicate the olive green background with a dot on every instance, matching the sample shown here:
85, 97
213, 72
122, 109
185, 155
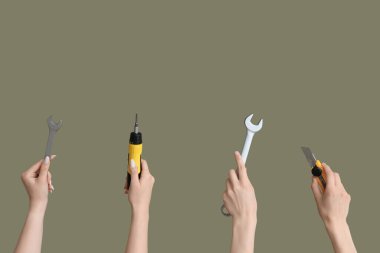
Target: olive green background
192, 70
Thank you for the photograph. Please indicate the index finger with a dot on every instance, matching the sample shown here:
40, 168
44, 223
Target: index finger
35, 167
330, 175
241, 166
233, 177
316, 190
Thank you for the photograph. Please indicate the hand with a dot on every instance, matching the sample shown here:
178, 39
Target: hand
37, 182
239, 197
140, 191
240, 201
333, 204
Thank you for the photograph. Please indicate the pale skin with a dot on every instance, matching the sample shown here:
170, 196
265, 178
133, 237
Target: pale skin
240, 201
37, 182
333, 206
139, 195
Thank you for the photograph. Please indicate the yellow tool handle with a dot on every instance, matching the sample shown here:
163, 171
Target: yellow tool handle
135, 151
322, 178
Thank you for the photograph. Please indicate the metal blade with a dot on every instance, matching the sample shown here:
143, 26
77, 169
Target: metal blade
309, 156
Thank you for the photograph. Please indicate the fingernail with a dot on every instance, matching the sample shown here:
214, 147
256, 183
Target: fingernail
47, 160
133, 165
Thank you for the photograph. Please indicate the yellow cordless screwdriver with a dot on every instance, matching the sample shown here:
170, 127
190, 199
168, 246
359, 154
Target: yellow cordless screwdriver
135, 150
316, 167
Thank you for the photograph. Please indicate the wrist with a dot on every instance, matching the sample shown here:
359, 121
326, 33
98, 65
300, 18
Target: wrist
335, 225
248, 217
243, 234
140, 213
37, 207
36, 212
244, 222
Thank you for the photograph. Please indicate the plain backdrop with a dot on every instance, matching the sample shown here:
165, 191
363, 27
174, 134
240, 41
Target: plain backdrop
193, 70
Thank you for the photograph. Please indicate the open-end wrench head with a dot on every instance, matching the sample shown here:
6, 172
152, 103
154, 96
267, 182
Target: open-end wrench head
252, 127
54, 125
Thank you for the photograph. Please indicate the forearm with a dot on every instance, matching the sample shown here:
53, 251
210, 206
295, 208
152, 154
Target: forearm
340, 237
30, 239
243, 236
138, 233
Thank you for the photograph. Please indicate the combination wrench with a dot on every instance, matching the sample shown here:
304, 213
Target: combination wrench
252, 129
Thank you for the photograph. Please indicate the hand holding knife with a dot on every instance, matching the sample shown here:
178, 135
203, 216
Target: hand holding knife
317, 168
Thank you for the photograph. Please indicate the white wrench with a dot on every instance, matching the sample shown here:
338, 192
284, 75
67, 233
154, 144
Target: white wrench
251, 130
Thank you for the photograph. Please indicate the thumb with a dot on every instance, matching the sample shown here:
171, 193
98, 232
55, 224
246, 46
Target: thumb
316, 190
44, 169
134, 173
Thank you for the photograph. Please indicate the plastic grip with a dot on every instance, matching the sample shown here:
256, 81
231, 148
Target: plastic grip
134, 153
323, 176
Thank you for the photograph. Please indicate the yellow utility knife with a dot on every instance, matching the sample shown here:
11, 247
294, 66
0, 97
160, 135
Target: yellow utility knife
135, 151
316, 167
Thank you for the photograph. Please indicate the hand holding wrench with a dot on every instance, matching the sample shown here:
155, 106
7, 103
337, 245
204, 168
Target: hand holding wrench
53, 128
251, 130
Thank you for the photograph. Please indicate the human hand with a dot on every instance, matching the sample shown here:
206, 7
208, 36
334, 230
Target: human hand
140, 190
239, 197
333, 204
37, 182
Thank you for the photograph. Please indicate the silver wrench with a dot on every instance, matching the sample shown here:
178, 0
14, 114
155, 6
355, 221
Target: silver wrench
53, 128
251, 130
